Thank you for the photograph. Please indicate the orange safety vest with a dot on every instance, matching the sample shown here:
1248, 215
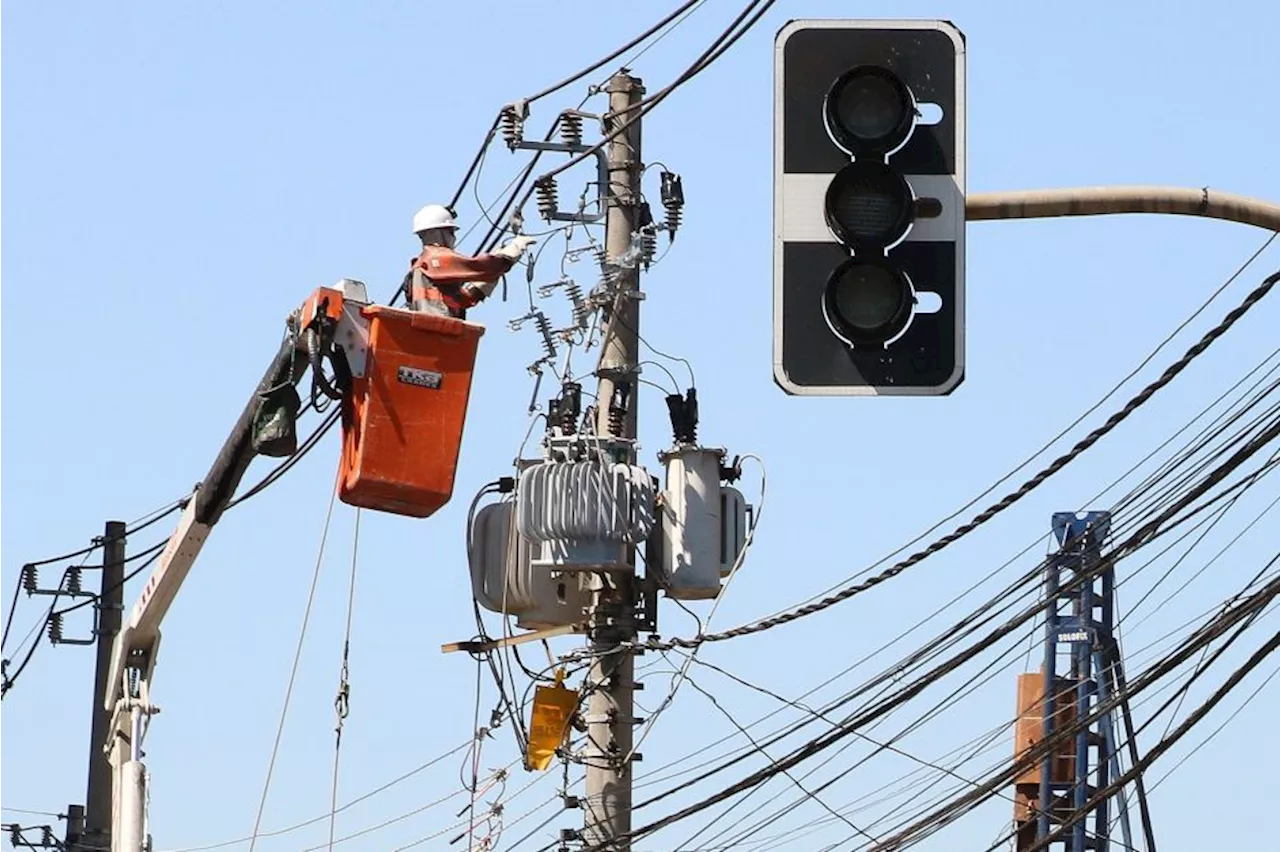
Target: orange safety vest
436, 277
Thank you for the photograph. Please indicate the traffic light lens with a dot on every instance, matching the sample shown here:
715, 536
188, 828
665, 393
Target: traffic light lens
870, 111
868, 303
868, 108
869, 206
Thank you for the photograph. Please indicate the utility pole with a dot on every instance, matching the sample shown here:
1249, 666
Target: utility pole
96, 832
607, 808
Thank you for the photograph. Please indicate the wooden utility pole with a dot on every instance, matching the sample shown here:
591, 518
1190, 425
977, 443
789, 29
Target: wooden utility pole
607, 808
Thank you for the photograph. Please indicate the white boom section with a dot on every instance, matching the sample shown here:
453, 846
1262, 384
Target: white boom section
141, 634
135, 649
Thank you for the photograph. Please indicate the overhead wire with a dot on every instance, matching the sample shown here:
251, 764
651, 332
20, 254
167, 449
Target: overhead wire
1045, 447
325, 816
683, 8
1146, 533
1153, 754
954, 630
683, 672
1223, 621
1154, 644
341, 703
721, 44
1009, 499
718, 47
293, 672
988, 787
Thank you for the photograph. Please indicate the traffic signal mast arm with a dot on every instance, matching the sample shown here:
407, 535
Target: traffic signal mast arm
1099, 201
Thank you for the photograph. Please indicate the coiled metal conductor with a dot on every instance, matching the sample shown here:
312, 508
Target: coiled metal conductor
30, 579
571, 128
548, 197
512, 124
548, 338
55, 627
74, 581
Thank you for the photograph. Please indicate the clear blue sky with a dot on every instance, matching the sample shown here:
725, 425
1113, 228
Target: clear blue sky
182, 175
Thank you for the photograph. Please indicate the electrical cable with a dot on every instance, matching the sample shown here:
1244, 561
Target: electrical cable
293, 673
324, 816
1161, 747
578, 75
1008, 500
151, 554
721, 43
493, 129
1174, 631
1029, 459
1143, 535
475, 164
341, 704
1224, 621
748, 539
1215, 731
7, 682
13, 608
718, 47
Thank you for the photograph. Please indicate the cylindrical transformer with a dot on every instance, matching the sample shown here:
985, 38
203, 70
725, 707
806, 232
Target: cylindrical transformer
691, 522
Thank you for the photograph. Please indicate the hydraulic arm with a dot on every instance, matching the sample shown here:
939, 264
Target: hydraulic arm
265, 427
403, 380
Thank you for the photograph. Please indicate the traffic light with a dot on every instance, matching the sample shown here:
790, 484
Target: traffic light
869, 185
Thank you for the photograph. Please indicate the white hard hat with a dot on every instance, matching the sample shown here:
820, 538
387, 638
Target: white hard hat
433, 216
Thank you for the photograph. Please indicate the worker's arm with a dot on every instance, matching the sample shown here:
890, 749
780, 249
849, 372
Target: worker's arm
453, 268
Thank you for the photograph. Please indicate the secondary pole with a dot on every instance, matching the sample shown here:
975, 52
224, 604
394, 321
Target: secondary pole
607, 807
110, 606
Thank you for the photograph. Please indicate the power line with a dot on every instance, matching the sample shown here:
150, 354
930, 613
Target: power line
990, 512
555, 87
722, 43
578, 75
293, 673
1043, 449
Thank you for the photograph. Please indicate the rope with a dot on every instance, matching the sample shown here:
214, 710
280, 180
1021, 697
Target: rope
293, 674
341, 704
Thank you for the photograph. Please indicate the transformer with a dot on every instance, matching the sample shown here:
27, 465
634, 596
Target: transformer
504, 581
704, 523
584, 505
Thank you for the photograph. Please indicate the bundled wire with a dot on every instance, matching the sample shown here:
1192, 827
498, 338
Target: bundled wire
1004, 503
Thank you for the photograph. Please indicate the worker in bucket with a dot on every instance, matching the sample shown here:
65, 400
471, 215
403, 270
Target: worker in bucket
445, 282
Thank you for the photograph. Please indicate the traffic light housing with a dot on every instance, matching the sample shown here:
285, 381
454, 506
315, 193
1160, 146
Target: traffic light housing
869, 186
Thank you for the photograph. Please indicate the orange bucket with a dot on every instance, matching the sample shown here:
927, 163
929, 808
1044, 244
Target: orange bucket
402, 422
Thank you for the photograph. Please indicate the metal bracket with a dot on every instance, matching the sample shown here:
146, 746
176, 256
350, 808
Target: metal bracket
602, 176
